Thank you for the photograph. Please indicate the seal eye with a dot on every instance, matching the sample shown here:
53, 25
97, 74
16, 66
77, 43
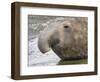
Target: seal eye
66, 26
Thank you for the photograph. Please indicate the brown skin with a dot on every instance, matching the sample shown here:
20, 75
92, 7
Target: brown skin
67, 41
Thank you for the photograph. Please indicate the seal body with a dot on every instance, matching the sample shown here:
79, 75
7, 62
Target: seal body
68, 41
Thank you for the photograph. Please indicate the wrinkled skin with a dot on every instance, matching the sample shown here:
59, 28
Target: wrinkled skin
68, 41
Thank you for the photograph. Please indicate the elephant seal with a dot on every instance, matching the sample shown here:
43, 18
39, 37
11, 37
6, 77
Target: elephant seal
67, 41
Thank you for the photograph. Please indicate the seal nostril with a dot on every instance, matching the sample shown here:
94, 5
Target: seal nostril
66, 26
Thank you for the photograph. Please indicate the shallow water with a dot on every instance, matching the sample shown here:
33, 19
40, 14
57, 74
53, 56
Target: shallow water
71, 62
36, 58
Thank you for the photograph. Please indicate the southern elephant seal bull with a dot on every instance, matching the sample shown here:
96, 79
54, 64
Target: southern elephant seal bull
67, 41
